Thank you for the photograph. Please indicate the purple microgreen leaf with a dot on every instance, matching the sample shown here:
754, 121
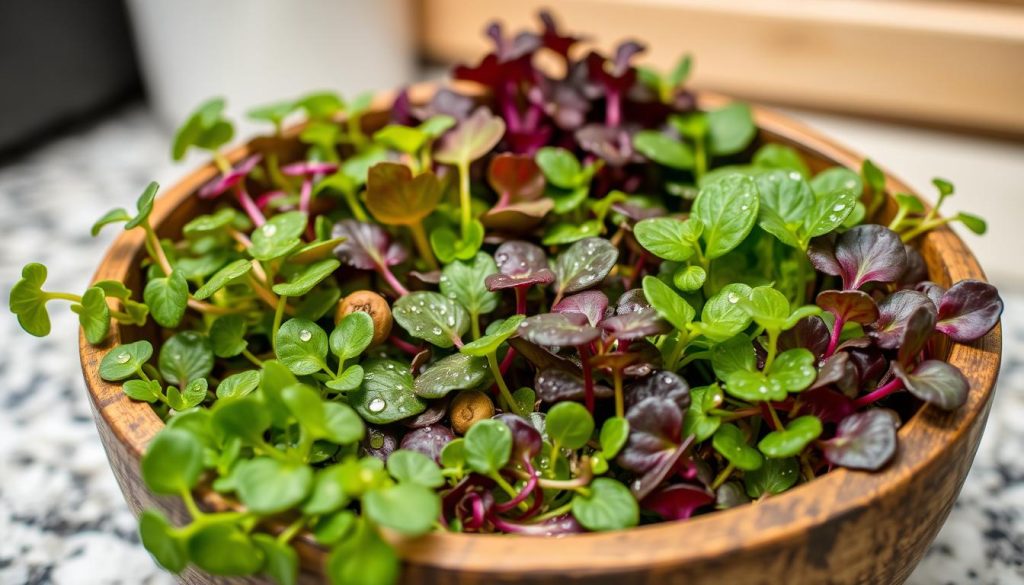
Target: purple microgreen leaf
584, 264
810, 333
635, 325
906, 316
916, 270
655, 425
838, 370
932, 290
555, 385
936, 382
519, 264
827, 404
865, 440
591, 303
632, 301
612, 145
366, 246
866, 253
969, 310
541, 358
849, 305
677, 502
665, 384
526, 439
558, 329
429, 440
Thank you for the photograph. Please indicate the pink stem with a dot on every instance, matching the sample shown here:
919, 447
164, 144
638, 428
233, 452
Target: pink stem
833, 342
613, 108
249, 206
520, 497
881, 392
404, 345
538, 495
384, 271
305, 196
588, 380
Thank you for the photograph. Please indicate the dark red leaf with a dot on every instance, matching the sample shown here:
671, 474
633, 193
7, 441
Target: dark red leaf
865, 440
849, 305
969, 310
936, 382
866, 253
677, 502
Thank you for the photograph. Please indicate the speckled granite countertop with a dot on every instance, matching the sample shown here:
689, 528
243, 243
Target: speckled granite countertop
62, 518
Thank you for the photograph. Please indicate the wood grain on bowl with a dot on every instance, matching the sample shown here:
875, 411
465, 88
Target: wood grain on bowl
846, 527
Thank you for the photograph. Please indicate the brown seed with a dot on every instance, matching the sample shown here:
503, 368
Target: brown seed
372, 304
467, 408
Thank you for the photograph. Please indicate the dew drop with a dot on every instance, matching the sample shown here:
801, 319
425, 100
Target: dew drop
123, 357
269, 229
305, 335
436, 331
377, 405
839, 207
733, 298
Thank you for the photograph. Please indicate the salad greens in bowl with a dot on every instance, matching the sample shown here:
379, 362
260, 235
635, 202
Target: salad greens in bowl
565, 303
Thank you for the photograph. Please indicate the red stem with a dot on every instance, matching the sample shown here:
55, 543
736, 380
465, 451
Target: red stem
521, 300
506, 363
520, 497
403, 345
588, 380
385, 272
837, 330
881, 392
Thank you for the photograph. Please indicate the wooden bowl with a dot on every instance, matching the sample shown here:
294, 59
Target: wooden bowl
845, 527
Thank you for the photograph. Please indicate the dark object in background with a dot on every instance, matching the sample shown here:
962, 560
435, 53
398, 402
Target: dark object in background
61, 60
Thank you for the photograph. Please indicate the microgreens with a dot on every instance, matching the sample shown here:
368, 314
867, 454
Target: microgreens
656, 357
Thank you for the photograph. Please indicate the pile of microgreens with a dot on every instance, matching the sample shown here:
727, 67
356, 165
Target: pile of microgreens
613, 308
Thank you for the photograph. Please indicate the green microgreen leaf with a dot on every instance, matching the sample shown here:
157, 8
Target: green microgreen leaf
458, 371
729, 441
386, 394
793, 439
672, 307
728, 209
163, 541
414, 467
28, 301
167, 298
185, 357
93, 315
607, 505
432, 317
407, 508
267, 486
124, 361
173, 462
302, 346
488, 446
223, 277
463, 281
774, 477
569, 424
304, 280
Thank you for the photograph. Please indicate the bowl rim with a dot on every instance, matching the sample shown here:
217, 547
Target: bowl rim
788, 516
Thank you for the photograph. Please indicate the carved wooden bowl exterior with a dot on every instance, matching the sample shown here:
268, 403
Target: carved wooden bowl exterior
846, 527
